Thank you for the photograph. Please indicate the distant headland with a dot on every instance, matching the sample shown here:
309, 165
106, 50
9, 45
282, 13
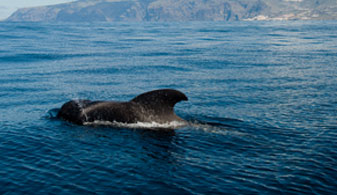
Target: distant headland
179, 10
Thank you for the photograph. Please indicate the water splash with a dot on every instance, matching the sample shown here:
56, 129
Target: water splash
139, 125
81, 106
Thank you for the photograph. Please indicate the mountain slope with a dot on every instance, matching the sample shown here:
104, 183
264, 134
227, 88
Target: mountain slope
180, 10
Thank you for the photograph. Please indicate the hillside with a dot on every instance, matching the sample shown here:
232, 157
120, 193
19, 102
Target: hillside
180, 10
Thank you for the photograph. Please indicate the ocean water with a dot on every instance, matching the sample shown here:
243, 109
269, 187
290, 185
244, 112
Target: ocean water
262, 109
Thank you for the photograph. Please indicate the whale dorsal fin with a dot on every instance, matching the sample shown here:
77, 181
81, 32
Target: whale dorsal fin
162, 98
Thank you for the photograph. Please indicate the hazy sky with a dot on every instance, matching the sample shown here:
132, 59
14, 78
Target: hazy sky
7, 7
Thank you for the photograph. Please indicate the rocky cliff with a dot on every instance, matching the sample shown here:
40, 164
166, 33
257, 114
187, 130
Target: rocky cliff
180, 10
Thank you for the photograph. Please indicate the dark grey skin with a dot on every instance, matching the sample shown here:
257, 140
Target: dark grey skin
154, 106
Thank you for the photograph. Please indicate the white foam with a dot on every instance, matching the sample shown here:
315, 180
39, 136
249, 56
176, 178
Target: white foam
151, 125
208, 128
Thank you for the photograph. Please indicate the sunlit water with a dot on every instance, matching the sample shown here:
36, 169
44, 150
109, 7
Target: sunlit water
261, 116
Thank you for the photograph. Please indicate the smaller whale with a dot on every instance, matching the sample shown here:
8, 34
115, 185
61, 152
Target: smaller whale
153, 106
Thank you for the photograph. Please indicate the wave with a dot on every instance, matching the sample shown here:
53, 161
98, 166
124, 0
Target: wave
35, 57
219, 126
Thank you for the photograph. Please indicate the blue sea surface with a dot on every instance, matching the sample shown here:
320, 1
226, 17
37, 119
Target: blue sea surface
262, 108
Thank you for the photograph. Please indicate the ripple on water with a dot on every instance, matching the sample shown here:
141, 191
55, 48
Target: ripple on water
261, 115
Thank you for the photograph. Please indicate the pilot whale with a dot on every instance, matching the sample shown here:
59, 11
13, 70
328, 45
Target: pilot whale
153, 106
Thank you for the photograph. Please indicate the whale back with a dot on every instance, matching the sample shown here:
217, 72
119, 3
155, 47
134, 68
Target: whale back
160, 102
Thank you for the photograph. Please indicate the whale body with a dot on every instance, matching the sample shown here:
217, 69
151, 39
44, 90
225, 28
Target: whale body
153, 106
